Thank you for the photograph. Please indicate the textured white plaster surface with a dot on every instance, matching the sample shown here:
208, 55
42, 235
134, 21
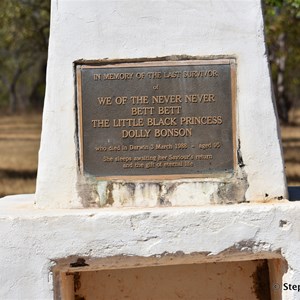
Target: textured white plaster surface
144, 28
31, 238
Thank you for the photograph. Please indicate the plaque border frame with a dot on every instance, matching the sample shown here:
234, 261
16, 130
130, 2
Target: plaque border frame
164, 61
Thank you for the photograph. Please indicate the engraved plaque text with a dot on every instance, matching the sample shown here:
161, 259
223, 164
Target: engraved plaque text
157, 118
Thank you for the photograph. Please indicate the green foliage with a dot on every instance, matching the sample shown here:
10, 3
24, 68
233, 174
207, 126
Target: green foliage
24, 31
282, 20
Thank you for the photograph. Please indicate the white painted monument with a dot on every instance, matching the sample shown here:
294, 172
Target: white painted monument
108, 33
158, 114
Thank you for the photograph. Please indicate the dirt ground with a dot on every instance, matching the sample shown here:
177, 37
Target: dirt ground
19, 144
290, 136
20, 140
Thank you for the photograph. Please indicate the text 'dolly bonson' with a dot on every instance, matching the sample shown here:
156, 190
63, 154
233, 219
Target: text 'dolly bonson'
159, 118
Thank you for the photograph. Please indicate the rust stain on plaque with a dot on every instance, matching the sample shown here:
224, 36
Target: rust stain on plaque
156, 119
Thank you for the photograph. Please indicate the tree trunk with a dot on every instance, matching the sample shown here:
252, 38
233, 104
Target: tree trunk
13, 98
282, 99
36, 100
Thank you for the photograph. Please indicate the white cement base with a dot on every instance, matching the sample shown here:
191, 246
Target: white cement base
33, 240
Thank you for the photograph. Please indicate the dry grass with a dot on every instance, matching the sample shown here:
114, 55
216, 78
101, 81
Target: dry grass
12, 186
291, 148
20, 139
19, 144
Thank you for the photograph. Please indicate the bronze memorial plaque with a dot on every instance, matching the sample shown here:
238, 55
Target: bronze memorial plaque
157, 118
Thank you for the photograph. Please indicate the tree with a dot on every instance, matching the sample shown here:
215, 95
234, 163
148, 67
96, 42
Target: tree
282, 18
24, 31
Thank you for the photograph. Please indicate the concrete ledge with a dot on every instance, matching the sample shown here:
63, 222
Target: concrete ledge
33, 240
